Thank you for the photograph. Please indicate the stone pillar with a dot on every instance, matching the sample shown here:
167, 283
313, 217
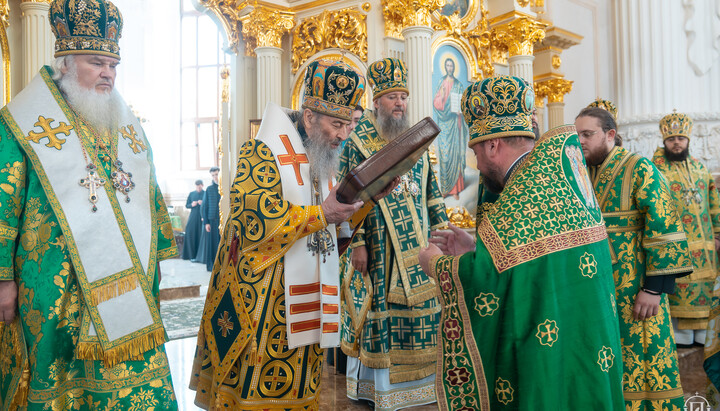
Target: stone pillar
269, 77
417, 56
38, 40
540, 109
556, 114
264, 28
522, 66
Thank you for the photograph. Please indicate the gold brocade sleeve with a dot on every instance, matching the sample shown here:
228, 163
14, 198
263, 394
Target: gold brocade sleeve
664, 240
13, 169
266, 224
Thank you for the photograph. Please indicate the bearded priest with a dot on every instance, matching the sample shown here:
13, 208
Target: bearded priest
83, 226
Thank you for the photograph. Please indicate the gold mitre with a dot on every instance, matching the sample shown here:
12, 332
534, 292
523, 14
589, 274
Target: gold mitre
606, 105
676, 125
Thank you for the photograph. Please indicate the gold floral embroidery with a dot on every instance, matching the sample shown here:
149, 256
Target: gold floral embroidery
37, 230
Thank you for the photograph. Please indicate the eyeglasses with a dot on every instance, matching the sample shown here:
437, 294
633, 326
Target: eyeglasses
587, 133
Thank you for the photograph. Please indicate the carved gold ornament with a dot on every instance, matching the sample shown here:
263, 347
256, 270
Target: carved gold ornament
519, 35
344, 29
400, 14
264, 27
479, 37
229, 12
554, 89
556, 62
460, 217
366, 7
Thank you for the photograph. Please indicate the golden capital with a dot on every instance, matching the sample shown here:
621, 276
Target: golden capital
229, 12
400, 14
519, 35
344, 29
264, 27
554, 89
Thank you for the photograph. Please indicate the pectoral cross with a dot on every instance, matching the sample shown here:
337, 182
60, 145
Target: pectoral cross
92, 182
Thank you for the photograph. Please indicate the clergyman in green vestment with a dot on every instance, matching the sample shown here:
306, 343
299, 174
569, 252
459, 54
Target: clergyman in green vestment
389, 307
529, 320
697, 199
83, 226
649, 250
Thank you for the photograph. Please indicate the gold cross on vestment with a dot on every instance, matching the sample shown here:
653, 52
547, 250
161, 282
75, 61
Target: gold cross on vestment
135, 144
225, 324
49, 132
92, 182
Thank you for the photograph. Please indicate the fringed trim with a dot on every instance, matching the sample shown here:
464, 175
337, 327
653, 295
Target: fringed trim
127, 351
253, 356
399, 375
108, 291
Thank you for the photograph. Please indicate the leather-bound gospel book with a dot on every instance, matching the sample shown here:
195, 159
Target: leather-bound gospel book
395, 159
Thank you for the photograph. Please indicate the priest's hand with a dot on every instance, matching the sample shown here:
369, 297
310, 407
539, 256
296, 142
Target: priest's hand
337, 212
427, 254
207, 227
8, 301
646, 305
387, 190
717, 245
454, 241
359, 258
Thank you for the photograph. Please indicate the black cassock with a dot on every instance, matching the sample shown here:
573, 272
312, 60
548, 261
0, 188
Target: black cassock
194, 226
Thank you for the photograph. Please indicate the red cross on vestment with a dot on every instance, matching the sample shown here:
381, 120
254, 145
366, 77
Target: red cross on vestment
292, 158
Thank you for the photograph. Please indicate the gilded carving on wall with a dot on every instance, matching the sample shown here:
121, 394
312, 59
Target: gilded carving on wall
479, 37
344, 29
266, 27
554, 89
229, 13
400, 14
5, 47
519, 35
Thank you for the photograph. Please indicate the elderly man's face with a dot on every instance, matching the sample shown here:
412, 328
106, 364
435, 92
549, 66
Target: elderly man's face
394, 104
95, 72
332, 130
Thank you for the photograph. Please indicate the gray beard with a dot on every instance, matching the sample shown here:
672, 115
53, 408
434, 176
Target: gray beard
390, 127
101, 110
324, 160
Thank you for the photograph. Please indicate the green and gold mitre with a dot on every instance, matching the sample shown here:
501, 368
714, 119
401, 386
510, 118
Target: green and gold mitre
676, 125
498, 107
332, 88
85, 27
387, 75
548, 204
606, 105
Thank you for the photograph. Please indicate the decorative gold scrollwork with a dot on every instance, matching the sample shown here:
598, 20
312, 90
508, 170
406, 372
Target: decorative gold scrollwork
400, 14
344, 29
264, 27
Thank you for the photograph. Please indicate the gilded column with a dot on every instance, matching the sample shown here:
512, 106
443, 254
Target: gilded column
413, 18
37, 38
264, 28
518, 36
555, 90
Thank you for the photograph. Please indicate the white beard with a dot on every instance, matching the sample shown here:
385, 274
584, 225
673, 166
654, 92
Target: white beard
324, 160
101, 110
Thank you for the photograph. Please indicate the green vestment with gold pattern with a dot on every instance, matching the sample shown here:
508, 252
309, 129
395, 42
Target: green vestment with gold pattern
529, 318
390, 314
646, 239
245, 307
698, 202
39, 368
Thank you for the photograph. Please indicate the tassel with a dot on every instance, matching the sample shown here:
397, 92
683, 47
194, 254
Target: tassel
127, 351
108, 291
